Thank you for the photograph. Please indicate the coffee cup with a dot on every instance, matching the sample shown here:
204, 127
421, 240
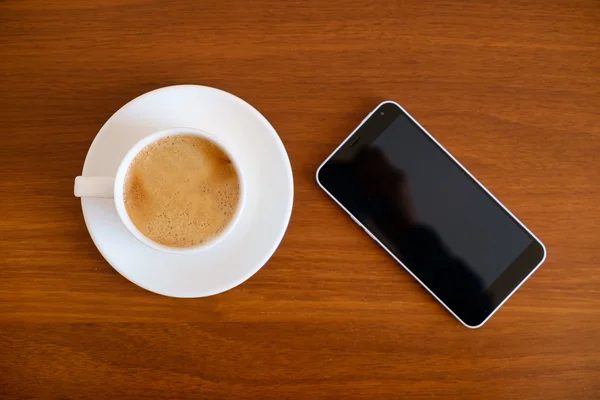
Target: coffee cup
115, 187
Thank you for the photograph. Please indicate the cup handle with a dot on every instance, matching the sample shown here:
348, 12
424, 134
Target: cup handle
94, 186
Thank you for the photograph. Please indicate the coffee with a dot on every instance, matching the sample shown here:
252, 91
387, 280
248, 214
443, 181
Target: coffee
181, 191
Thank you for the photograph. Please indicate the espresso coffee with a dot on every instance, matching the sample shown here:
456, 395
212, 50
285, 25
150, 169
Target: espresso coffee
181, 191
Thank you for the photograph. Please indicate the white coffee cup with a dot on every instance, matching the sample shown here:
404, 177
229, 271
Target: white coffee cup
113, 187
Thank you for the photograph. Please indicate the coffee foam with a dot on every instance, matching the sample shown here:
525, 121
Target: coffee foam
181, 191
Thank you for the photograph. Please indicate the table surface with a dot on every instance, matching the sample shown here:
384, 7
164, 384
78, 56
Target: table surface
511, 88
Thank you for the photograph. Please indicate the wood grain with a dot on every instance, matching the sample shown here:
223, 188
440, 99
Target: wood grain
511, 88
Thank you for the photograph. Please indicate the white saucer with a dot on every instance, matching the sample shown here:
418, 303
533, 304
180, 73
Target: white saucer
267, 173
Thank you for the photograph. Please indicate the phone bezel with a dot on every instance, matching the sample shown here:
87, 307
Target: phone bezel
513, 276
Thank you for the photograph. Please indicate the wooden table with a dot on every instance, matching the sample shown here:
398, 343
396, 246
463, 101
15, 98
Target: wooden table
512, 88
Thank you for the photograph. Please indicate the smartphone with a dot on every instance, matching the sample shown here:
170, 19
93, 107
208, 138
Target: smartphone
430, 214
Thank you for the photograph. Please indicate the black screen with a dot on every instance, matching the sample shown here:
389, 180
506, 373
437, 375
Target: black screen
426, 210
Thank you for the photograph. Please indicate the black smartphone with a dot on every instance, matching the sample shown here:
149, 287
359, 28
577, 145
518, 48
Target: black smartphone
430, 214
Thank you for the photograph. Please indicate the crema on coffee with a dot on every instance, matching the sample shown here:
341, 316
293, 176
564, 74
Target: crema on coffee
181, 191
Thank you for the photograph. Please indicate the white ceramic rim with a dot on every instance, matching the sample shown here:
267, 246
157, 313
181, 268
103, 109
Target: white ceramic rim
122, 173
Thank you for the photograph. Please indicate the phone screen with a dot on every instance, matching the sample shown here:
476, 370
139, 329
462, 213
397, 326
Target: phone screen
429, 212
